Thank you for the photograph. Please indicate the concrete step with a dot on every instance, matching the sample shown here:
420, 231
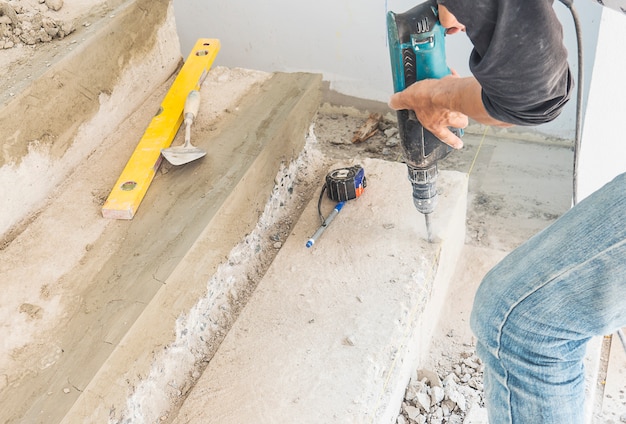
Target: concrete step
333, 333
88, 302
201, 227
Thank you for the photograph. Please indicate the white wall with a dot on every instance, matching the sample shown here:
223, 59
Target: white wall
603, 152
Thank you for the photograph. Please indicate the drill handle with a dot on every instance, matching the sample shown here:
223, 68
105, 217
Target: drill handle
416, 45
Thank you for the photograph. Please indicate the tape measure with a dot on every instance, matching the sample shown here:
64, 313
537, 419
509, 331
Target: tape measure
345, 183
342, 184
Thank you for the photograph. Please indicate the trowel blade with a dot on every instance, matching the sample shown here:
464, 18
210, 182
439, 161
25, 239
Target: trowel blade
180, 155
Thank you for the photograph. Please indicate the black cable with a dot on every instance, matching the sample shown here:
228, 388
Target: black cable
579, 98
319, 204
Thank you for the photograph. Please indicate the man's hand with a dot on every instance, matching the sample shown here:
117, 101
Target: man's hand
446, 102
420, 97
427, 99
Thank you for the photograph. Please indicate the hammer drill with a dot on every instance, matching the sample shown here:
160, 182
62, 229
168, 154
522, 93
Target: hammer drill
417, 52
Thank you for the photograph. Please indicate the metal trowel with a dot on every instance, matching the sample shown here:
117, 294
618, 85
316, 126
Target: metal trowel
180, 155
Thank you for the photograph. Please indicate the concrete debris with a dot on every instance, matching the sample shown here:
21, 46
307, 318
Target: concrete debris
391, 132
24, 23
54, 4
476, 415
431, 377
456, 398
392, 141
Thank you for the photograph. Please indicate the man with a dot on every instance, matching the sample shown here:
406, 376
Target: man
536, 310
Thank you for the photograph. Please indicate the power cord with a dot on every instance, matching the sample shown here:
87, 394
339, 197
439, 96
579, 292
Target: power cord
579, 98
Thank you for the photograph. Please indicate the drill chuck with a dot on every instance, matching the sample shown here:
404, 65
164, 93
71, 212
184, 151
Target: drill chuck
424, 182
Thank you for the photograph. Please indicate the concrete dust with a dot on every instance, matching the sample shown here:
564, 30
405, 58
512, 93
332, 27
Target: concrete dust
516, 188
35, 34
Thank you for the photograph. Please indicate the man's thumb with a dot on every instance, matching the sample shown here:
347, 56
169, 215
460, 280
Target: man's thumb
395, 102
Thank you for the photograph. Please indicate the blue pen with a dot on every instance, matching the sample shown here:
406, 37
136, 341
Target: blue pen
326, 223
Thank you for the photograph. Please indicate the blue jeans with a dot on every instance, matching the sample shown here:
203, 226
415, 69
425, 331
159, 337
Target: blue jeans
536, 310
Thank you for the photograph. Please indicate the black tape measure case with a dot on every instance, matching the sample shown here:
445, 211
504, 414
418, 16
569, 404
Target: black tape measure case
346, 183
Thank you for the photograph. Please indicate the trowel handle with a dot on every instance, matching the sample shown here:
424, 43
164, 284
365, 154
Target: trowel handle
192, 104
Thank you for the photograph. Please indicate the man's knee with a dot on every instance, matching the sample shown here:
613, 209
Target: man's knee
484, 320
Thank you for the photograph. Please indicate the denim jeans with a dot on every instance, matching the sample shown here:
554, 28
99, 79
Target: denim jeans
536, 310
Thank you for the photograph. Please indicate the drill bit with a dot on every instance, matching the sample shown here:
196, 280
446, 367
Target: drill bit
429, 230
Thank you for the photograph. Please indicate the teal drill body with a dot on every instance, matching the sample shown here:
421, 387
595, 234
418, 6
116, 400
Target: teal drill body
417, 52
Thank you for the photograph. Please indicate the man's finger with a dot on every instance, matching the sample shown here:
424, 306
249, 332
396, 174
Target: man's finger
458, 120
449, 138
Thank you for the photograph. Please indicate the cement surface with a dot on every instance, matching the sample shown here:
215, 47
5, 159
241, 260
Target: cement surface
75, 307
332, 333
25, 63
613, 407
211, 206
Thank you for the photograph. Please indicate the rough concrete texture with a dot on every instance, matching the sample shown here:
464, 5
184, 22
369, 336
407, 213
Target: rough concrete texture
24, 22
211, 206
448, 383
112, 270
70, 106
332, 333
613, 398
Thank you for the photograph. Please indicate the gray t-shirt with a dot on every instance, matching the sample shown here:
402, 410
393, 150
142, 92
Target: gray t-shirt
518, 58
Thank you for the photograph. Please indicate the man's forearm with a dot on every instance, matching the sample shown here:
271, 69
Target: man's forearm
464, 95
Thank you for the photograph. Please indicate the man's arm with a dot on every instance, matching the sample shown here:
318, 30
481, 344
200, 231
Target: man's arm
519, 66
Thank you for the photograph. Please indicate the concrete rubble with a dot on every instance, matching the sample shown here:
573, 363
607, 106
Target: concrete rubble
457, 398
28, 23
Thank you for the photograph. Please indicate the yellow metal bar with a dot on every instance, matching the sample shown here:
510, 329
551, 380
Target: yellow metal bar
138, 173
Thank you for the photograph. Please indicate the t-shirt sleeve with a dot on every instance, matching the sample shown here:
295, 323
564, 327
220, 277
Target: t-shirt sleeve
519, 57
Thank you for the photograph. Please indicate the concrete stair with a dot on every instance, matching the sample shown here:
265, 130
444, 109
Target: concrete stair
333, 333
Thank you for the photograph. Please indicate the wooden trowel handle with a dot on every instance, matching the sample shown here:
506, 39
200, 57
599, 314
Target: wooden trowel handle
192, 104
